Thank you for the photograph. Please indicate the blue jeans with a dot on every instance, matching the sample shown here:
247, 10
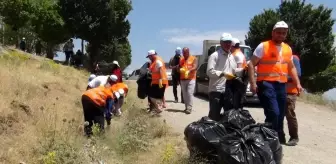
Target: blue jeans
108, 109
272, 96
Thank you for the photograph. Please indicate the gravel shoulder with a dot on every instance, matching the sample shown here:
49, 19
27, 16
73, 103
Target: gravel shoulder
317, 128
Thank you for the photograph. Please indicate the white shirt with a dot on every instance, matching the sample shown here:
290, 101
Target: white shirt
219, 62
259, 51
239, 58
98, 81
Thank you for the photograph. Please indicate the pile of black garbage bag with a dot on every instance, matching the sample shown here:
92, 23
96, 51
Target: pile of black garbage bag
235, 139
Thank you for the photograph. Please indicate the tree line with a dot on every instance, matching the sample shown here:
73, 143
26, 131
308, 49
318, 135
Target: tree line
102, 23
310, 36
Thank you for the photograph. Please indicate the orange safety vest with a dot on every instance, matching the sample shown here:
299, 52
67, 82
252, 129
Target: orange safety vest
235, 52
121, 85
187, 65
272, 66
290, 86
156, 76
99, 95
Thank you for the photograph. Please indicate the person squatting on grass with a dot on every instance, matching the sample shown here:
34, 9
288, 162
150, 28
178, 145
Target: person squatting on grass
94, 102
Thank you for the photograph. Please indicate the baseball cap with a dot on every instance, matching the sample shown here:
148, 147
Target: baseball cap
235, 41
226, 37
114, 78
280, 24
92, 76
151, 52
178, 50
116, 63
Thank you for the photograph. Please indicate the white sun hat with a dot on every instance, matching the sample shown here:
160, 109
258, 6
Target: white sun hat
280, 24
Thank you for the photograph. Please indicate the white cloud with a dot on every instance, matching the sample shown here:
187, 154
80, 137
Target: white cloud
194, 38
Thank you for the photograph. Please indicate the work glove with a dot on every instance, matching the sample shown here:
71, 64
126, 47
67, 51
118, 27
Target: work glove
186, 74
160, 83
228, 76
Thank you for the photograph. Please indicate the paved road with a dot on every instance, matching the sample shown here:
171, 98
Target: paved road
317, 129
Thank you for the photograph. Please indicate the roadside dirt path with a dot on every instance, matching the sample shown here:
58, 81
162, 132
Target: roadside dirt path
317, 129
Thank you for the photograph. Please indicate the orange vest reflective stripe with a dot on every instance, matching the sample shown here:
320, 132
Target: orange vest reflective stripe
122, 86
235, 52
156, 76
189, 64
99, 95
290, 86
272, 66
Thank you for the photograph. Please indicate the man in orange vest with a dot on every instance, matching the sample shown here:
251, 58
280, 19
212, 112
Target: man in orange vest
292, 93
94, 103
274, 61
159, 81
188, 66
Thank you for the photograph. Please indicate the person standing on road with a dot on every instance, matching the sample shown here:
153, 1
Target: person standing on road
159, 81
220, 64
174, 65
292, 93
274, 61
188, 66
239, 86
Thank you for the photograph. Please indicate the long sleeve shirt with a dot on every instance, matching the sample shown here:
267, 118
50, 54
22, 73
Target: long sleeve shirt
219, 62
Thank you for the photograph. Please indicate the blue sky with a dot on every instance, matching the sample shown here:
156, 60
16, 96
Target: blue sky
164, 25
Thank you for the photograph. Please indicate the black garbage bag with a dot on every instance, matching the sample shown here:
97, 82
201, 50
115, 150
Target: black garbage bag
237, 119
203, 137
144, 83
270, 136
244, 148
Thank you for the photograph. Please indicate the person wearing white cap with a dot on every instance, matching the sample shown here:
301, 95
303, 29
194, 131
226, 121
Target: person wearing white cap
274, 61
159, 81
174, 65
117, 71
91, 77
102, 81
239, 87
221, 64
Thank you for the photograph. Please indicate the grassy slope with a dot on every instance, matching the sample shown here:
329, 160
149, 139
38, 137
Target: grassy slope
41, 120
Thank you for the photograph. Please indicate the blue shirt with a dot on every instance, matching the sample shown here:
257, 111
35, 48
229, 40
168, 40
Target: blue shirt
297, 65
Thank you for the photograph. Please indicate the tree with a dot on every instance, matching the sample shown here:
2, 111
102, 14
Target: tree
117, 50
41, 15
101, 22
49, 25
260, 27
310, 33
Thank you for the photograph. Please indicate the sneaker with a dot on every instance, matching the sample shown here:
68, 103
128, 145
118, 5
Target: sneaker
176, 101
293, 142
188, 111
108, 122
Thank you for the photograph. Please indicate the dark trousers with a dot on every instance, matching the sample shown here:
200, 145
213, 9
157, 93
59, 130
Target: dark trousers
291, 116
109, 109
272, 96
236, 90
67, 56
93, 114
176, 82
217, 101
